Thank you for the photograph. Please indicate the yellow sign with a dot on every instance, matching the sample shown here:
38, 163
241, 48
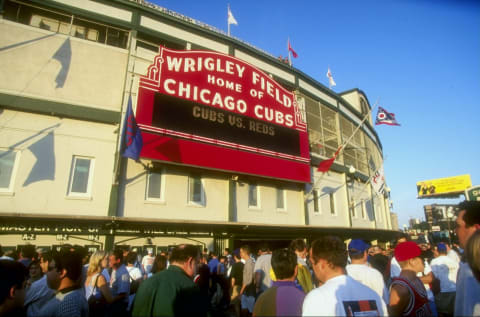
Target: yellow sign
447, 187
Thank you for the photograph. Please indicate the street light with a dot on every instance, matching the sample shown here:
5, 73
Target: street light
352, 170
350, 192
449, 216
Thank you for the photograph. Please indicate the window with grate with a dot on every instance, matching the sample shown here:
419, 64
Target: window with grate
63, 22
322, 128
354, 152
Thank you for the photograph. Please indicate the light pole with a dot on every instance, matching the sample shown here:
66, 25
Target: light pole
449, 216
351, 172
350, 182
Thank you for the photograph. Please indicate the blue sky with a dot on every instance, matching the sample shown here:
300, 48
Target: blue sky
420, 58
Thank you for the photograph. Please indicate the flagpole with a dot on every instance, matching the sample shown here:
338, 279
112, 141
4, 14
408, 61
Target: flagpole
289, 53
329, 80
328, 70
342, 146
228, 19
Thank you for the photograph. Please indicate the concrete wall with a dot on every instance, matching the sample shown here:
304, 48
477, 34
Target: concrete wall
267, 211
45, 147
95, 77
326, 183
175, 205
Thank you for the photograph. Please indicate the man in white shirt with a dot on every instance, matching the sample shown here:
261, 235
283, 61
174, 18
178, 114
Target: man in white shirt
467, 300
360, 271
445, 269
136, 277
147, 262
262, 270
451, 253
340, 295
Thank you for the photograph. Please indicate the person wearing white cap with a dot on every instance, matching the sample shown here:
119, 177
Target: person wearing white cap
147, 261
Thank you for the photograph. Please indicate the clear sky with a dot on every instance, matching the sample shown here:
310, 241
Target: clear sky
420, 58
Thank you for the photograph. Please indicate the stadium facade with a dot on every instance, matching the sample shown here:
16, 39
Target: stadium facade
211, 171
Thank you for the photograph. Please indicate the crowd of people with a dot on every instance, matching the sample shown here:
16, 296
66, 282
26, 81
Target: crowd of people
325, 278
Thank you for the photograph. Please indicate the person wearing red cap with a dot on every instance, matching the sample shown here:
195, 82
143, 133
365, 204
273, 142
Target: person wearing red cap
408, 296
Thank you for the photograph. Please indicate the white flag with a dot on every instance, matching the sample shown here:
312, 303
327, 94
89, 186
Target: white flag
330, 78
231, 18
378, 181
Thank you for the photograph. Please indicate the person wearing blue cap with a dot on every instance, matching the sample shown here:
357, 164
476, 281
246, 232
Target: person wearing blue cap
445, 269
360, 271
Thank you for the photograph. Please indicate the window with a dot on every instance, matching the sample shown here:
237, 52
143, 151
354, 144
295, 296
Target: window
332, 203
355, 153
363, 106
364, 214
323, 130
280, 193
81, 177
196, 193
316, 207
378, 208
8, 163
155, 181
253, 196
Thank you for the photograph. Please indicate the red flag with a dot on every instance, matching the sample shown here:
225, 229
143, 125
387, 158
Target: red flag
295, 55
325, 165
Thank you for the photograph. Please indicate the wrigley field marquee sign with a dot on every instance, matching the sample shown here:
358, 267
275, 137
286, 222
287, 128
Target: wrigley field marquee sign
212, 110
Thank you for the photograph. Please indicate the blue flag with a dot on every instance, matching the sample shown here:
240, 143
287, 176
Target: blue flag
132, 138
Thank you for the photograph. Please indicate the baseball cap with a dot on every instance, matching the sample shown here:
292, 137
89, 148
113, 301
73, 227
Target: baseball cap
407, 250
357, 246
441, 247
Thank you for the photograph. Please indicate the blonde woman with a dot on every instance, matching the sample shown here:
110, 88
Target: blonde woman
97, 291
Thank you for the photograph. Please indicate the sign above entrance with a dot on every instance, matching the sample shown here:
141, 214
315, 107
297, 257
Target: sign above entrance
212, 110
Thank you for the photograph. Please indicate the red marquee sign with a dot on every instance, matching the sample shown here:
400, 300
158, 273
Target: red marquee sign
212, 110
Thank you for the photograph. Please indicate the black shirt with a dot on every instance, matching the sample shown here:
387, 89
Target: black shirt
237, 273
